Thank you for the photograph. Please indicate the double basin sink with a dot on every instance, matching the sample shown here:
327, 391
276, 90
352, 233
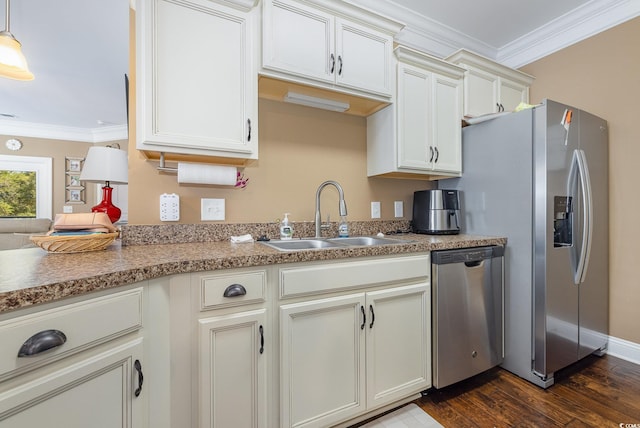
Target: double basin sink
326, 243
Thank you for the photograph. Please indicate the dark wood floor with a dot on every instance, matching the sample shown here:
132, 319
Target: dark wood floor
595, 392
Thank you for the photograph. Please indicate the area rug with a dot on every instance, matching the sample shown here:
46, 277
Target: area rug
409, 416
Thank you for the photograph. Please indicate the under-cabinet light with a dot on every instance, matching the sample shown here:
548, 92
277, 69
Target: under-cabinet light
306, 100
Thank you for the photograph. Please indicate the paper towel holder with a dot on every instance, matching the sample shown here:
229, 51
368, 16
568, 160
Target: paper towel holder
164, 168
241, 181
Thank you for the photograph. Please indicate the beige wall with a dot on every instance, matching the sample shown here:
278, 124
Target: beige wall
57, 150
602, 75
300, 147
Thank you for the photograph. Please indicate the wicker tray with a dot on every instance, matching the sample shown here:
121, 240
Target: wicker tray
74, 243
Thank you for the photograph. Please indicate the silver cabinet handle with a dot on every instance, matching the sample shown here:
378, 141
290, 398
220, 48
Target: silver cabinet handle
437, 155
42, 341
333, 63
339, 65
431, 151
235, 290
248, 130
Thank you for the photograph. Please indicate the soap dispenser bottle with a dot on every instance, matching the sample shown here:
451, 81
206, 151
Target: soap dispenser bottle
343, 228
286, 230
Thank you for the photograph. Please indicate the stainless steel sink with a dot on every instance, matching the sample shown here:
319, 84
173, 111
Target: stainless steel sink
366, 241
320, 243
300, 244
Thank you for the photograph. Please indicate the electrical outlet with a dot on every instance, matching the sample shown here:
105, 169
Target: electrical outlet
169, 207
67, 209
375, 209
211, 209
398, 209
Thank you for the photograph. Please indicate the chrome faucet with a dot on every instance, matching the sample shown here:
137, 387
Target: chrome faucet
342, 205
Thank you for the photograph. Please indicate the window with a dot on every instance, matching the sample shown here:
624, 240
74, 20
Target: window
42, 167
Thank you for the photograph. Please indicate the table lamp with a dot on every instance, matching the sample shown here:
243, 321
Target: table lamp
109, 165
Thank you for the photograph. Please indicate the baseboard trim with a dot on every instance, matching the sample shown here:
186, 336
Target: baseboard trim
624, 349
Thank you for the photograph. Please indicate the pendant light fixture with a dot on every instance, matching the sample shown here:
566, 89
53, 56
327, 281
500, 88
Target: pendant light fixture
12, 62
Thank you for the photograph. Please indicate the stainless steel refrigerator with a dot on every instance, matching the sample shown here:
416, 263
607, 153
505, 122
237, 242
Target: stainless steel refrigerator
540, 178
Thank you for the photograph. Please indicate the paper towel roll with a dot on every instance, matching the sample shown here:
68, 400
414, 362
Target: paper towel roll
196, 173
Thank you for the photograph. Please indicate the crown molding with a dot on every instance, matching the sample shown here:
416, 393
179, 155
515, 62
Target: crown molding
66, 133
435, 38
581, 23
426, 34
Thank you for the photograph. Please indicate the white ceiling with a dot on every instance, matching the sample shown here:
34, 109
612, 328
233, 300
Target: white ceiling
495, 23
78, 51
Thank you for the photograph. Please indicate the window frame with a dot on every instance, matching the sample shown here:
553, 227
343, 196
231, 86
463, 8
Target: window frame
43, 167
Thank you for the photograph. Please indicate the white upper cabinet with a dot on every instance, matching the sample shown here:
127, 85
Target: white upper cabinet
329, 44
197, 88
363, 58
419, 136
490, 87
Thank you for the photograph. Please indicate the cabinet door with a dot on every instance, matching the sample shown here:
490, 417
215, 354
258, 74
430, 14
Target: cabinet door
398, 343
480, 93
447, 116
322, 361
512, 94
198, 87
363, 58
298, 40
232, 373
414, 118
97, 391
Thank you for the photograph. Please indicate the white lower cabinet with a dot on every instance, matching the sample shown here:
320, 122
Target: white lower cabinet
233, 348
323, 361
350, 353
96, 391
351, 338
75, 365
398, 343
232, 370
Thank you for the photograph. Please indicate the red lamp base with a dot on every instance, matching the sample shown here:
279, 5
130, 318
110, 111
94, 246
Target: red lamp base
106, 206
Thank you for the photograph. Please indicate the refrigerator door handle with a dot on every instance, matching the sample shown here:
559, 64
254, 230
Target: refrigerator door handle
587, 214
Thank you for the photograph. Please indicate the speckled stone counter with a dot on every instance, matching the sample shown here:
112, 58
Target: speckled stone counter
33, 276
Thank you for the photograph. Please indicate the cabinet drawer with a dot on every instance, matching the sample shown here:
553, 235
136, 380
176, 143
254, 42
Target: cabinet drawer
235, 289
83, 324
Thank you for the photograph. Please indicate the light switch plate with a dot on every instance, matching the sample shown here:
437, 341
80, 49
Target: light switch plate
211, 209
169, 207
398, 209
375, 209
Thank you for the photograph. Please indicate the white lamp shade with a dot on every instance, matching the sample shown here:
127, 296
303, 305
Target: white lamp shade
105, 164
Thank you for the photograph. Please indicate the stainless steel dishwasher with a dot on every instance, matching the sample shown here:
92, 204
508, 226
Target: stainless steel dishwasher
467, 312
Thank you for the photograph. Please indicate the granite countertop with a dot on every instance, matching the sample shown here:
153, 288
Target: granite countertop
32, 276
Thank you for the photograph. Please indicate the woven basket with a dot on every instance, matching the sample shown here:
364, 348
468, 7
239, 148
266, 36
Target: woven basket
74, 243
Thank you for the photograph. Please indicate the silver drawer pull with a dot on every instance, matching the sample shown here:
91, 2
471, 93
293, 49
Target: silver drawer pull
42, 341
235, 290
